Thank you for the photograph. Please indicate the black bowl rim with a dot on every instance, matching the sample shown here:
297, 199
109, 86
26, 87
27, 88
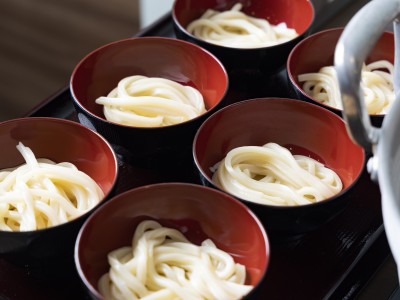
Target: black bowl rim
161, 39
278, 207
89, 212
208, 44
261, 227
293, 82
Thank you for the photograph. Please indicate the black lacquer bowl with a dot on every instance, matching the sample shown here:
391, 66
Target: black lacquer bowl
305, 128
198, 212
297, 14
101, 70
60, 141
317, 51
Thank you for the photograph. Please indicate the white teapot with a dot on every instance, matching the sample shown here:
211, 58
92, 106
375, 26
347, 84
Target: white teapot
358, 38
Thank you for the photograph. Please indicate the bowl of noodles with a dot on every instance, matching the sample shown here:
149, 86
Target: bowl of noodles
249, 37
313, 78
291, 162
148, 95
172, 241
54, 173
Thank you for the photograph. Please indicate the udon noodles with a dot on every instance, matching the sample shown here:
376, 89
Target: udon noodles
41, 193
142, 101
270, 174
376, 84
233, 28
162, 263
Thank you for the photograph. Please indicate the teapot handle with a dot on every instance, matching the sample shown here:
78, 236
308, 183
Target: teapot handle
353, 47
355, 43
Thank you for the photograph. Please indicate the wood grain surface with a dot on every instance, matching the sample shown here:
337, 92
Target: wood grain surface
42, 40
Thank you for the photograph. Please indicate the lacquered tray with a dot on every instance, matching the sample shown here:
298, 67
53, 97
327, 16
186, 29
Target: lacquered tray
334, 262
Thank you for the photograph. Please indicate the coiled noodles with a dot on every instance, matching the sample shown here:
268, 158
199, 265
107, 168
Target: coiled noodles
270, 174
163, 264
233, 28
376, 84
41, 193
151, 102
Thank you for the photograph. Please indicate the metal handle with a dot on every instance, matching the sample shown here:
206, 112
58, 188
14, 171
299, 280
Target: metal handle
355, 43
357, 40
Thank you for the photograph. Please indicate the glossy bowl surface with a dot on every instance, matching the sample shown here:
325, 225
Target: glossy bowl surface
100, 71
198, 212
304, 128
297, 14
61, 141
317, 51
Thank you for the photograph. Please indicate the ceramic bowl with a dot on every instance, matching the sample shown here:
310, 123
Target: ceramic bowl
301, 127
61, 141
197, 211
317, 51
297, 14
101, 70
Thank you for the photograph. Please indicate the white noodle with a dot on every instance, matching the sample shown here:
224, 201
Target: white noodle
233, 28
163, 264
151, 102
376, 84
270, 174
41, 193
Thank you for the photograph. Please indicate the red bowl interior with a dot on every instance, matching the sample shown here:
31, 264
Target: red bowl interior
317, 51
61, 141
101, 70
297, 14
196, 211
302, 127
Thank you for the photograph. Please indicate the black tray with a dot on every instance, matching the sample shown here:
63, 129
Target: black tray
333, 262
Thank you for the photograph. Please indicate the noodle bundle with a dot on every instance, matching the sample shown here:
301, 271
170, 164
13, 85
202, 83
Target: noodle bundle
376, 85
233, 28
163, 264
151, 102
41, 193
270, 174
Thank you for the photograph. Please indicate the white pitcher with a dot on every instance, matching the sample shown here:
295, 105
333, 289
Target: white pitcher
357, 40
